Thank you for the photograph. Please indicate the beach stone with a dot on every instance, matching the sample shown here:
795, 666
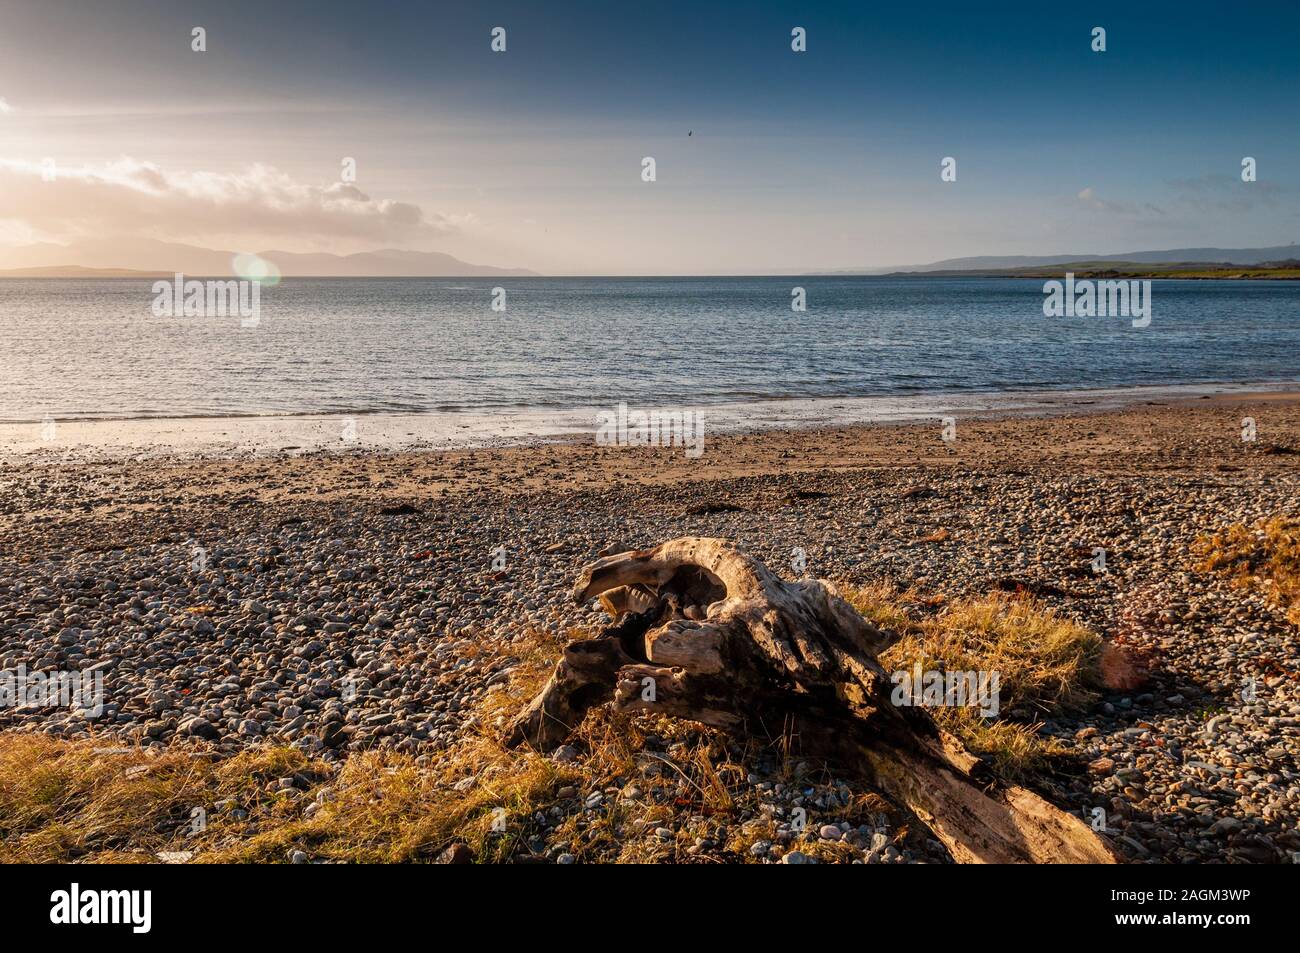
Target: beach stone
457, 853
199, 728
343, 632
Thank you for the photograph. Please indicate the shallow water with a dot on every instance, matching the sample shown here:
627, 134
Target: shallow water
92, 349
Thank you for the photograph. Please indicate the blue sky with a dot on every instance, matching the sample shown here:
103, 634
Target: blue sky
825, 159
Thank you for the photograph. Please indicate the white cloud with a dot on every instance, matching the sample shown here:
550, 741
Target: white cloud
1090, 198
131, 197
5, 108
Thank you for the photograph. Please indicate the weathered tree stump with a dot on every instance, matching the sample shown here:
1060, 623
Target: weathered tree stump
706, 632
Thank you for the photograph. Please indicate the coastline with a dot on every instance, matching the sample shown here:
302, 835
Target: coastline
354, 432
383, 567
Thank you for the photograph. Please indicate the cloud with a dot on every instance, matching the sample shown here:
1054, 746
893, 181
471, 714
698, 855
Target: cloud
1218, 192
1089, 198
130, 197
5, 108
1093, 201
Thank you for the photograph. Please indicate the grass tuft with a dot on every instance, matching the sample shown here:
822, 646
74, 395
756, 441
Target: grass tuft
1045, 663
1264, 558
62, 801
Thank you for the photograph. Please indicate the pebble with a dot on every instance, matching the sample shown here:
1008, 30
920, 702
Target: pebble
339, 629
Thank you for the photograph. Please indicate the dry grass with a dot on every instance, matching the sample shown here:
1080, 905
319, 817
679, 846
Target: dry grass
66, 801
75, 801
62, 801
388, 808
1264, 557
1045, 663
69, 800
885, 605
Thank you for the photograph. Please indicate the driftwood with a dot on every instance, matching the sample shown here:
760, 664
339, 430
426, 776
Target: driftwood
705, 632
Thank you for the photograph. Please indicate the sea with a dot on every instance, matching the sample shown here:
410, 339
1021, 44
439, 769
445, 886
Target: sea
497, 348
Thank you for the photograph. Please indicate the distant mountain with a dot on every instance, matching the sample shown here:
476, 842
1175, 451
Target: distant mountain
1111, 268
386, 263
998, 263
148, 256
76, 271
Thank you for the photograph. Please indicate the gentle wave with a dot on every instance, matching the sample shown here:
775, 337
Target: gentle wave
92, 348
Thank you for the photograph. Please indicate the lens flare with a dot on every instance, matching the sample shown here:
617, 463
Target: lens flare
254, 268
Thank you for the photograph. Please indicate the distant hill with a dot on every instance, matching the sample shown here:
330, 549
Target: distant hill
1108, 268
76, 271
1000, 264
136, 257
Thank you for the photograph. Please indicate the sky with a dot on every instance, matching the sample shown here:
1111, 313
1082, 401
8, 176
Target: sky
767, 160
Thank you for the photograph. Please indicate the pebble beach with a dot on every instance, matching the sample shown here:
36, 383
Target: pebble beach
343, 601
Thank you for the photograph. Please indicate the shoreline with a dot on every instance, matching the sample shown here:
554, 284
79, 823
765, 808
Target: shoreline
198, 437
431, 578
